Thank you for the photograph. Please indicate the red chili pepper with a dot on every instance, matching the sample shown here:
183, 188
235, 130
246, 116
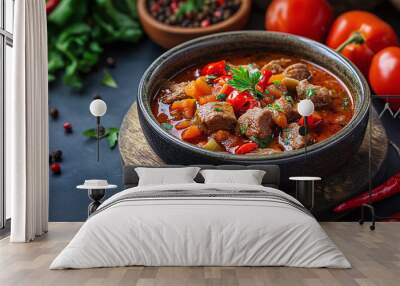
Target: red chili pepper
386, 190
312, 121
263, 83
51, 5
246, 148
241, 101
216, 68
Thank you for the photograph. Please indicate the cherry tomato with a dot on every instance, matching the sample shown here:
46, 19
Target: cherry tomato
384, 74
358, 35
216, 68
308, 18
246, 148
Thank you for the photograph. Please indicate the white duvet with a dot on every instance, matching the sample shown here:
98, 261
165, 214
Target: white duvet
200, 231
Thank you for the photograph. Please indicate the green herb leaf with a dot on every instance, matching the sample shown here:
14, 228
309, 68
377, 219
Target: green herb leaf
218, 109
108, 80
221, 96
112, 139
288, 98
167, 126
90, 133
276, 82
275, 106
243, 80
243, 129
310, 92
262, 142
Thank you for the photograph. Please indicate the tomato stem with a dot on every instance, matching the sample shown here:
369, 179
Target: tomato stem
355, 38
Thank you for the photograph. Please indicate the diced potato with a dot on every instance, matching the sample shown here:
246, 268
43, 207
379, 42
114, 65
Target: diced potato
290, 83
212, 145
276, 77
191, 90
183, 124
207, 98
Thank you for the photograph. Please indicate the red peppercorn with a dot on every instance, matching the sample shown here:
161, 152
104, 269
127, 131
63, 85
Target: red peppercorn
218, 13
67, 127
55, 168
205, 23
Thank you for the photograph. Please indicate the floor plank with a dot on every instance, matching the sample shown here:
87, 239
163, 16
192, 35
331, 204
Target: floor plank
375, 257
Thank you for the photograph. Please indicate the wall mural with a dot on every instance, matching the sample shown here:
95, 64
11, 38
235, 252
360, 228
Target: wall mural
217, 103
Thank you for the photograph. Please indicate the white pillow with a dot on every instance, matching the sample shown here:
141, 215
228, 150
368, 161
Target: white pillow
248, 177
166, 176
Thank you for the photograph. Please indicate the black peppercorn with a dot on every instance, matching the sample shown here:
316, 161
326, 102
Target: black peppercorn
96, 97
110, 61
54, 113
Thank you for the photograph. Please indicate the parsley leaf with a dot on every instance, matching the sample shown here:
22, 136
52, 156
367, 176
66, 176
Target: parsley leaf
310, 92
275, 106
167, 126
262, 142
108, 80
218, 109
243, 129
243, 80
221, 96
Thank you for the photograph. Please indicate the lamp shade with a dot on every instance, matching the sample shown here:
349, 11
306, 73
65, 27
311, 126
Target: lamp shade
305, 107
98, 107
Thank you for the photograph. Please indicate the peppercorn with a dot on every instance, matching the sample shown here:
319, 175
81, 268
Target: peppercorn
67, 127
55, 168
110, 61
57, 156
96, 97
54, 113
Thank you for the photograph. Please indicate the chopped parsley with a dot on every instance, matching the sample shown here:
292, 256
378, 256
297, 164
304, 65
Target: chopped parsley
243, 129
276, 82
221, 96
288, 98
218, 109
275, 106
310, 92
346, 103
210, 78
262, 142
167, 126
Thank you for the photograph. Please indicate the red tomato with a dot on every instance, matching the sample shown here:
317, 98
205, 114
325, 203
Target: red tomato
312, 121
246, 148
359, 35
384, 74
308, 18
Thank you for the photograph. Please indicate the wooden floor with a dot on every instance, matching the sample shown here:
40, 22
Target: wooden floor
375, 257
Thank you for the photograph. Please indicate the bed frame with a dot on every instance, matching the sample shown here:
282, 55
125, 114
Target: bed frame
271, 177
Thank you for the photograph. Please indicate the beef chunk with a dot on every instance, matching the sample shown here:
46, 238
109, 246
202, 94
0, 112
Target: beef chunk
277, 66
174, 92
319, 95
217, 116
290, 137
285, 104
256, 122
297, 71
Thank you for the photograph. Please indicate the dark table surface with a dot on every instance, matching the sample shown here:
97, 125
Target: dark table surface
79, 159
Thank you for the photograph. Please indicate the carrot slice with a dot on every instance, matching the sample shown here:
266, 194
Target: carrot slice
183, 124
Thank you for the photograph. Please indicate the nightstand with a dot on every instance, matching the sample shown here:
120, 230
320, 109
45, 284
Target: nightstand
305, 190
96, 191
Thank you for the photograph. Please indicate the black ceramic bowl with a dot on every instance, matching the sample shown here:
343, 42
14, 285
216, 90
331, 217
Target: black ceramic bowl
323, 157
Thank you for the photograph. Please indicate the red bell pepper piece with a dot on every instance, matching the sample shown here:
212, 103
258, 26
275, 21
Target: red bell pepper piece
263, 82
241, 101
386, 190
246, 148
216, 68
312, 121
51, 5
222, 79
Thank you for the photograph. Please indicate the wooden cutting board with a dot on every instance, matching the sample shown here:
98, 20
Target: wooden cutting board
350, 180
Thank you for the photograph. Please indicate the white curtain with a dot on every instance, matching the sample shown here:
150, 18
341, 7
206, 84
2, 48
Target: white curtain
27, 124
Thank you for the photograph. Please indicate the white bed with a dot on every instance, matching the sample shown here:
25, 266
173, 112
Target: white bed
246, 225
